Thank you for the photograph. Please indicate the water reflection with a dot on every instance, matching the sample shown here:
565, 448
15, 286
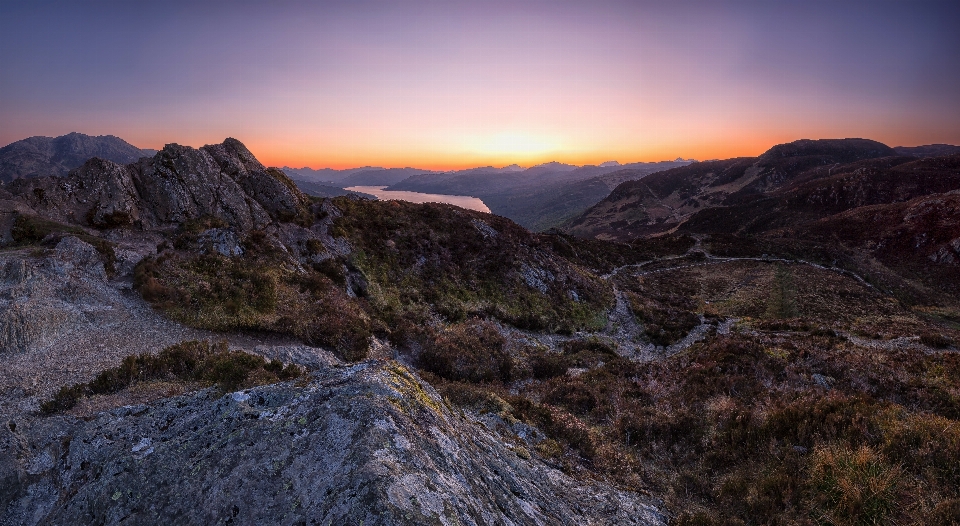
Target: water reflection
463, 201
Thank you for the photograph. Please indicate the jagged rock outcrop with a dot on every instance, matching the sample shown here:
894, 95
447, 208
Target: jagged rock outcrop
56, 156
99, 193
178, 184
365, 444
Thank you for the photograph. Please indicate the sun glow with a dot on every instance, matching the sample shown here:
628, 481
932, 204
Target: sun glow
518, 145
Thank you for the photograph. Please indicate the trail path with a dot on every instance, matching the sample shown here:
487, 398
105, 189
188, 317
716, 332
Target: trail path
623, 326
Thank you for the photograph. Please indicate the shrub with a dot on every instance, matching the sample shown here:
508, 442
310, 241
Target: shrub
935, 340
853, 486
473, 351
545, 364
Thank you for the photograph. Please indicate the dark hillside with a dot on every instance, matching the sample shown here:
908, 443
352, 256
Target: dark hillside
661, 202
929, 150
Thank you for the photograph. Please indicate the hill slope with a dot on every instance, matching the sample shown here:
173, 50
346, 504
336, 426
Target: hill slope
662, 201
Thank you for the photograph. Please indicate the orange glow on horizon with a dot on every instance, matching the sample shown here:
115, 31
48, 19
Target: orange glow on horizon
453, 85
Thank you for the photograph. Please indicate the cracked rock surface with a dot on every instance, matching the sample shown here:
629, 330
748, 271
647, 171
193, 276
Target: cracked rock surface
362, 444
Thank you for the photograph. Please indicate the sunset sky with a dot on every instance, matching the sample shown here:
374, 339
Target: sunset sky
447, 84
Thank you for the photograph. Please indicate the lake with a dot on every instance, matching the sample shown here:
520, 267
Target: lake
463, 201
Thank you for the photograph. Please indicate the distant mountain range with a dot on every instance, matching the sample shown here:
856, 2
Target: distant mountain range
42, 156
538, 197
324, 175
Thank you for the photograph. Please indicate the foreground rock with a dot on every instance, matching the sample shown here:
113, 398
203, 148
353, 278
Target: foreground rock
365, 444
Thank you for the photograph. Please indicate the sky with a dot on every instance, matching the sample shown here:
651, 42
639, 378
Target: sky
449, 84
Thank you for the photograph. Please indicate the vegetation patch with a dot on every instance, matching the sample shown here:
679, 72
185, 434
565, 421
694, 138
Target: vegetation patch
433, 257
474, 351
258, 291
194, 361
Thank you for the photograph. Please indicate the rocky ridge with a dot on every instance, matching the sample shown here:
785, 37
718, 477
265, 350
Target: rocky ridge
660, 202
176, 185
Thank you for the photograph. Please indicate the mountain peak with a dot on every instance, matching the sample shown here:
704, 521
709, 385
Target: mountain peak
42, 156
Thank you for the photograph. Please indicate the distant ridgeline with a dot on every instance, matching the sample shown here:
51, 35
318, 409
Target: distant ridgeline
43, 156
537, 198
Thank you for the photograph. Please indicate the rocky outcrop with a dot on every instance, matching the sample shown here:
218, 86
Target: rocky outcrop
365, 444
99, 193
49, 156
182, 183
176, 185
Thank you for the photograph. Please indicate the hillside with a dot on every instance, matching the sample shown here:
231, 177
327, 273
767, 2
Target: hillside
189, 338
44, 156
325, 190
661, 202
929, 150
380, 177
889, 218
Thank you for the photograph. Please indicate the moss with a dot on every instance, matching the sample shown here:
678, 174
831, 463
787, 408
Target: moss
400, 379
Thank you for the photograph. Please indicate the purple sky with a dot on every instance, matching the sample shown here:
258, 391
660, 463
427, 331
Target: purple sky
451, 84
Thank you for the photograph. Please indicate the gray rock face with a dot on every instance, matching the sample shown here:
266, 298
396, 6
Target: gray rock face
178, 184
366, 444
269, 187
182, 183
40, 301
49, 156
222, 241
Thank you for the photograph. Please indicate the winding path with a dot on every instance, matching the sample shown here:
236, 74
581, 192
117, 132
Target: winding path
623, 326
